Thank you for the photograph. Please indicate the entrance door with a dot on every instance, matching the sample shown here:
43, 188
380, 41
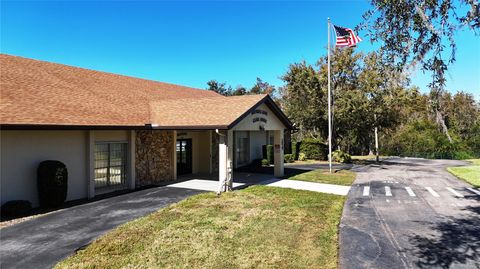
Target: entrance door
184, 156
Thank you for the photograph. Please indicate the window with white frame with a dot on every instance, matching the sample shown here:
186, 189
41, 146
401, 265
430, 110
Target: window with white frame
111, 165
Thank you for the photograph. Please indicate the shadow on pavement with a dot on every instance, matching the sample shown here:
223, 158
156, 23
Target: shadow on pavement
456, 241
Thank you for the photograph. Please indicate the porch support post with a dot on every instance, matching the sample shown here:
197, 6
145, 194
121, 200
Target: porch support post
131, 159
278, 153
90, 164
174, 156
229, 160
222, 161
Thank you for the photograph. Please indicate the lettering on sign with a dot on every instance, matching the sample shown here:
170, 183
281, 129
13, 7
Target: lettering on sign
260, 116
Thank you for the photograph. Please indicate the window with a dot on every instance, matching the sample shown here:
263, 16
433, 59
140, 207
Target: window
110, 165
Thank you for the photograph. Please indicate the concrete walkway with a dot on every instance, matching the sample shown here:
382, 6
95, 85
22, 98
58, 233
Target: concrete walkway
241, 180
310, 186
42, 242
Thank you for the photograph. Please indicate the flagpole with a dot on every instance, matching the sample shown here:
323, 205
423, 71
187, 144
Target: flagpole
329, 106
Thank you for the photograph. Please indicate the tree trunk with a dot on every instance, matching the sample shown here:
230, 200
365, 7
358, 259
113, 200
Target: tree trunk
441, 121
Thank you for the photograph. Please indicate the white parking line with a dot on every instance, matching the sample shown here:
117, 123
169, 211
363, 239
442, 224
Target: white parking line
410, 192
454, 192
388, 191
474, 191
366, 190
432, 192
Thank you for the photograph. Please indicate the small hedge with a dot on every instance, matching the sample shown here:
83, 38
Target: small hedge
265, 162
16, 208
295, 150
341, 157
288, 158
267, 151
313, 149
52, 183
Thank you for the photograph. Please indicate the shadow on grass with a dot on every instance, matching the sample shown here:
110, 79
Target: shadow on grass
455, 241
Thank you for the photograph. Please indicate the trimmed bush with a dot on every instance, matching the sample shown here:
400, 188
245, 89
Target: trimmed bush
302, 157
52, 183
288, 158
265, 162
341, 157
16, 208
313, 149
270, 154
295, 150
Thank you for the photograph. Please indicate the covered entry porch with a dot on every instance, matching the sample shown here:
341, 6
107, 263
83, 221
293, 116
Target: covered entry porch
214, 154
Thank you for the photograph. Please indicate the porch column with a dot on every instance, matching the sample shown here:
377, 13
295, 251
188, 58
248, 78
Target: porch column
174, 156
90, 164
225, 152
230, 160
278, 153
131, 160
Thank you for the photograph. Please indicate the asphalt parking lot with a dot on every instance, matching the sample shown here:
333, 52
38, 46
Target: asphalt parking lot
410, 213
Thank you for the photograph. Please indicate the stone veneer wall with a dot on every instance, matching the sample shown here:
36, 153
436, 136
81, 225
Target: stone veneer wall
153, 157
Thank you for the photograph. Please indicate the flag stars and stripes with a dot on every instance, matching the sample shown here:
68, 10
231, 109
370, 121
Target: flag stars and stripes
346, 37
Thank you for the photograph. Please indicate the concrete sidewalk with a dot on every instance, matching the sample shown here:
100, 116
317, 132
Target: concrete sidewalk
309, 186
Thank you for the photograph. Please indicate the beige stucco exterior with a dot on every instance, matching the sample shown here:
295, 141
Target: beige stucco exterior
248, 124
201, 150
22, 151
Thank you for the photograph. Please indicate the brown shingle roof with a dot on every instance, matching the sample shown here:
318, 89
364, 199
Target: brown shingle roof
38, 93
216, 112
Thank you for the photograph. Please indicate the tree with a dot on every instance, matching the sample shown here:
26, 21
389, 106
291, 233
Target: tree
262, 87
304, 100
219, 88
417, 32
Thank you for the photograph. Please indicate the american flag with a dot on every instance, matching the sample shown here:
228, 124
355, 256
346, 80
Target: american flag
346, 37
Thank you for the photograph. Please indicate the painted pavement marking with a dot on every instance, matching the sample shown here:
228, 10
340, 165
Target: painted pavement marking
432, 192
474, 191
454, 192
366, 190
410, 192
388, 191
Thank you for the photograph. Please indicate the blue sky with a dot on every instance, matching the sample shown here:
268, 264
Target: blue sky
191, 42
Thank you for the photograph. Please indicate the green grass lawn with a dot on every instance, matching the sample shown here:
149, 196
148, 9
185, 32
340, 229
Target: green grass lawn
339, 177
258, 227
470, 174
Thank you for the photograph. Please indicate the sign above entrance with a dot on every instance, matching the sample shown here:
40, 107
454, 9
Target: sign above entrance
260, 116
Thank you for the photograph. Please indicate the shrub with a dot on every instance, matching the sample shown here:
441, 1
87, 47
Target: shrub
341, 157
265, 162
288, 158
16, 208
302, 156
313, 149
295, 150
462, 155
52, 183
270, 154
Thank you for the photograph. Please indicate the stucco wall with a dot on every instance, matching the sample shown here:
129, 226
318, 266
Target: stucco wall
257, 140
248, 123
153, 157
200, 150
22, 151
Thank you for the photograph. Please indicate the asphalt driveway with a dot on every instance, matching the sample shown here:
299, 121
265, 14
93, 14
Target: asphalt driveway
410, 213
43, 241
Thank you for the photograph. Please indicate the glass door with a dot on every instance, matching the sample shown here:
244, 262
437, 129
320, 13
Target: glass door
184, 156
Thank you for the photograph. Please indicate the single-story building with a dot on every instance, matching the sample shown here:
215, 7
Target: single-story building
118, 132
